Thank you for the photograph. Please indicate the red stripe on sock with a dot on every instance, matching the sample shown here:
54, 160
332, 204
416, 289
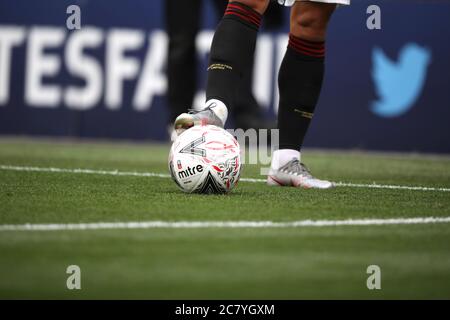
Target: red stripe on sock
244, 17
243, 12
249, 11
302, 48
232, 9
314, 49
321, 50
306, 43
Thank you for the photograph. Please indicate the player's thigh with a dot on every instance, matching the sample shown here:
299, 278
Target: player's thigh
309, 19
257, 5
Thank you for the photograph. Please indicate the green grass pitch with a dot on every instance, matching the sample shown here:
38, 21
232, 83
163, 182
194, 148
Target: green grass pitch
216, 263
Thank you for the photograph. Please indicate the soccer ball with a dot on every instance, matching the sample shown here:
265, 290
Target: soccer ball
205, 159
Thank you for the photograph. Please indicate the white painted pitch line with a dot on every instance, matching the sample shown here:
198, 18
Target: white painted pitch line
162, 175
222, 224
84, 171
388, 186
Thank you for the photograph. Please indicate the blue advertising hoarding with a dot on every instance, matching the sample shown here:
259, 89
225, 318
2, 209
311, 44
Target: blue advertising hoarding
385, 89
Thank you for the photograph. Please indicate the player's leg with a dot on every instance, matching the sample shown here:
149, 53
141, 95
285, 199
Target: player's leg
232, 51
182, 22
233, 48
300, 82
246, 112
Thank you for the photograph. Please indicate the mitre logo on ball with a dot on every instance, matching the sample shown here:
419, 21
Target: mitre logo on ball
205, 159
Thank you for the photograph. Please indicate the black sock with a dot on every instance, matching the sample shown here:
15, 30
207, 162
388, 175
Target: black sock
232, 51
300, 81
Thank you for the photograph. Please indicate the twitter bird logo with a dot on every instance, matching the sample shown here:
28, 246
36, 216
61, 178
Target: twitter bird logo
399, 84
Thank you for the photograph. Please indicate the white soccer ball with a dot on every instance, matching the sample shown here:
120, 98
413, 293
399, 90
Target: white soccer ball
205, 159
